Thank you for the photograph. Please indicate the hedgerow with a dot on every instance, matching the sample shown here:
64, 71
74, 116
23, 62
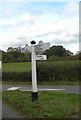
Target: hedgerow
48, 71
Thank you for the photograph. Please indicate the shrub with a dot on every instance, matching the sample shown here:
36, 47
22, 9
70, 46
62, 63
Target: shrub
49, 71
21, 76
56, 71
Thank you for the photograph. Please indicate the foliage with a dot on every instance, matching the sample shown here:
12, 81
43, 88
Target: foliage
59, 51
10, 49
46, 71
58, 71
15, 56
17, 76
78, 56
66, 58
0, 55
54, 53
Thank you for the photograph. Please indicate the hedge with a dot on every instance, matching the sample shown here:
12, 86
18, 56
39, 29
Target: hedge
48, 71
21, 76
58, 71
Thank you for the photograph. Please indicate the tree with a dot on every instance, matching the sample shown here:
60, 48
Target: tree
59, 51
0, 55
15, 56
10, 49
79, 56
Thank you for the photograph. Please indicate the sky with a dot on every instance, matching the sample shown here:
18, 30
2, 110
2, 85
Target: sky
22, 21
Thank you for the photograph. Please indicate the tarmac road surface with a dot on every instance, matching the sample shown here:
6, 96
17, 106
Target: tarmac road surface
8, 112
66, 88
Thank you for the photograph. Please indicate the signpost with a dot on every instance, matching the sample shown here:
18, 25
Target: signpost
34, 77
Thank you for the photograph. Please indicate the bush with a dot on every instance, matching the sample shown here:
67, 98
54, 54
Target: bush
49, 71
58, 71
15, 76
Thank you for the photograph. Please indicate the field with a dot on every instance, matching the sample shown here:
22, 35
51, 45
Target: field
16, 67
26, 66
61, 105
47, 71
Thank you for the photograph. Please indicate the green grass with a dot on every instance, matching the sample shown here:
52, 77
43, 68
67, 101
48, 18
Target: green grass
59, 83
26, 66
0, 82
1, 102
16, 67
49, 104
41, 83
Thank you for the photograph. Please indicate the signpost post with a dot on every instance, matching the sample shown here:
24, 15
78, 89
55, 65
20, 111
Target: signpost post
34, 78
34, 57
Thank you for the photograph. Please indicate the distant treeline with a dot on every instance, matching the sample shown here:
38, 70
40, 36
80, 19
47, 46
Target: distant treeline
10, 57
55, 53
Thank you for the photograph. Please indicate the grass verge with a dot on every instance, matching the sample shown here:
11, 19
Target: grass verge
49, 104
41, 83
0, 105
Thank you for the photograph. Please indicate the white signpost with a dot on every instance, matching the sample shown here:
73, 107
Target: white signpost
34, 77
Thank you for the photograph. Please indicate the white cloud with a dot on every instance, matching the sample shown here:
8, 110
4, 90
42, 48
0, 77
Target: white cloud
73, 47
72, 8
23, 19
49, 27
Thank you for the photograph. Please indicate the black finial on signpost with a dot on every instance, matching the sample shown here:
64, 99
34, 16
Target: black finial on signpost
33, 42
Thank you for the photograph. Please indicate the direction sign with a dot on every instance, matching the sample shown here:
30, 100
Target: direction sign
40, 57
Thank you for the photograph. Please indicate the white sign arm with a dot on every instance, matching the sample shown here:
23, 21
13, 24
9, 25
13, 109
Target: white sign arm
40, 57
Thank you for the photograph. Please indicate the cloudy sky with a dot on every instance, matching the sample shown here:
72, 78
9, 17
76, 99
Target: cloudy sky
55, 22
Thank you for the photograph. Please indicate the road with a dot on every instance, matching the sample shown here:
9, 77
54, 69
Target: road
65, 88
8, 112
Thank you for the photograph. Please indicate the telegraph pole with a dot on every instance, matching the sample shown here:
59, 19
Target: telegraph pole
34, 92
